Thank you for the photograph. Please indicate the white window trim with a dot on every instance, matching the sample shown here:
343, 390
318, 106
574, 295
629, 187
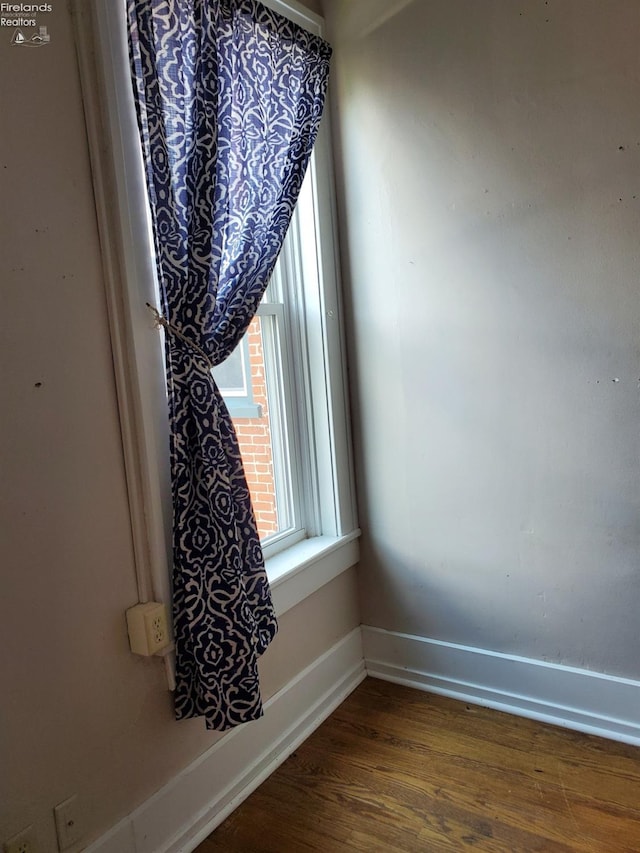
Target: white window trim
137, 344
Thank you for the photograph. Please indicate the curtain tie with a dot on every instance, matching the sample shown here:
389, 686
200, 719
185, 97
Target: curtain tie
173, 330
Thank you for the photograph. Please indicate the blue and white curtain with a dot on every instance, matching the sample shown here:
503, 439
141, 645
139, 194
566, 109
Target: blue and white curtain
229, 97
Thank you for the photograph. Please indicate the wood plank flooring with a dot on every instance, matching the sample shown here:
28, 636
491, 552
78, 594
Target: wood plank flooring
395, 769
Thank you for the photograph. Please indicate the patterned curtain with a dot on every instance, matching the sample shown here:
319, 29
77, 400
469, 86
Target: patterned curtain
229, 97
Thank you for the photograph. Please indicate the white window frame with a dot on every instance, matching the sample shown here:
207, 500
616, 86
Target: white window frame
331, 546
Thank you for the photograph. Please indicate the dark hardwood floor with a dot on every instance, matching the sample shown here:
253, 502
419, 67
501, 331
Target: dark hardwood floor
395, 769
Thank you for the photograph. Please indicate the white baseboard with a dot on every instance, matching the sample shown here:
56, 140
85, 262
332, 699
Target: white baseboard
574, 698
179, 816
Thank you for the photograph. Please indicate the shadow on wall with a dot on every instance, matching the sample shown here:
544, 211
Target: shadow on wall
446, 594
361, 20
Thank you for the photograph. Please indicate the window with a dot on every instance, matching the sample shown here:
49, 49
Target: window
284, 385
268, 453
272, 430
278, 442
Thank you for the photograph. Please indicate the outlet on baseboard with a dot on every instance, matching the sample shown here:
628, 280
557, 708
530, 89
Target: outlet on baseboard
23, 842
148, 628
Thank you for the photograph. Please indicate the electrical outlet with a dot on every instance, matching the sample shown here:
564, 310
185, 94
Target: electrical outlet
148, 628
68, 825
23, 842
158, 629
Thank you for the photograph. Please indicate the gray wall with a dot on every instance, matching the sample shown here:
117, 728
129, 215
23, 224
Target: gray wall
490, 206
78, 712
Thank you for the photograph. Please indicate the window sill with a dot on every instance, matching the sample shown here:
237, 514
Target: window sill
302, 569
243, 410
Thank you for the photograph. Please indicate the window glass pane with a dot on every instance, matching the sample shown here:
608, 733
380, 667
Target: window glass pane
230, 375
263, 440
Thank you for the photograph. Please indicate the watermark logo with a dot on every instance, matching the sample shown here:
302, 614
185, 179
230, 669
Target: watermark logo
23, 20
37, 40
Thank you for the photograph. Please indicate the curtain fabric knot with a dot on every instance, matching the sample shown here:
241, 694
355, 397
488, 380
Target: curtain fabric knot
162, 322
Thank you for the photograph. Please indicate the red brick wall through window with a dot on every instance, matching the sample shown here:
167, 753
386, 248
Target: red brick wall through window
254, 435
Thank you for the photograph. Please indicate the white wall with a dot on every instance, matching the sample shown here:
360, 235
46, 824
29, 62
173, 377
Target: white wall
490, 205
79, 713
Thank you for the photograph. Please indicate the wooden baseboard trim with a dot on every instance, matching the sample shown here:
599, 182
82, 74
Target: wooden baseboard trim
578, 699
179, 816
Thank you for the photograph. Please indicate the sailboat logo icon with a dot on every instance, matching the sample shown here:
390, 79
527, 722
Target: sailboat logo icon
41, 37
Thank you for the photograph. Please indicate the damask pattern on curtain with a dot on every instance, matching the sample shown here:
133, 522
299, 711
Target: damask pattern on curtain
229, 97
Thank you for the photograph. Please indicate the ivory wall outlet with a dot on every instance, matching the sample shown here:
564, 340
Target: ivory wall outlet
148, 628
